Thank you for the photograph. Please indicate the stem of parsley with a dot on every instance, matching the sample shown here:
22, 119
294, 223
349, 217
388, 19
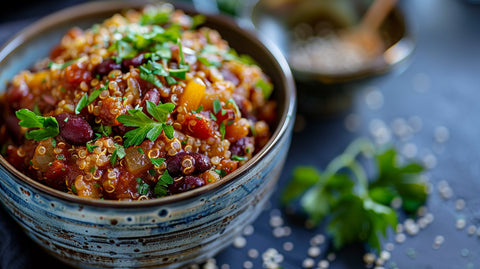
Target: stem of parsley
349, 160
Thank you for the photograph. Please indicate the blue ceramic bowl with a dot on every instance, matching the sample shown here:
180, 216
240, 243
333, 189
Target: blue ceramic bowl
169, 232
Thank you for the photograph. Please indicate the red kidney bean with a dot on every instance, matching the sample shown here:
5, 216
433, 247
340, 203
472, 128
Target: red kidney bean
185, 184
202, 162
74, 129
178, 165
13, 128
174, 164
152, 96
135, 61
106, 66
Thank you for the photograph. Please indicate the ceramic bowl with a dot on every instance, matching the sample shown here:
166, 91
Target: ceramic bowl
323, 93
169, 232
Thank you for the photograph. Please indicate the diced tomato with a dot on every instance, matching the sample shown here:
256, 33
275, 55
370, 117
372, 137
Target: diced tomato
77, 72
55, 175
198, 125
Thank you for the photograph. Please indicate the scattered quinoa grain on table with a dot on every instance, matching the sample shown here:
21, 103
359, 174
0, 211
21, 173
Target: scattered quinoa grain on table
146, 104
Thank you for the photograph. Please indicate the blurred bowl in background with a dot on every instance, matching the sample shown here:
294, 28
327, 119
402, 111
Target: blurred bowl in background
326, 69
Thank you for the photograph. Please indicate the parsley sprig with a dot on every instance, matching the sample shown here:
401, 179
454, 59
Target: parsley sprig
147, 127
356, 209
46, 127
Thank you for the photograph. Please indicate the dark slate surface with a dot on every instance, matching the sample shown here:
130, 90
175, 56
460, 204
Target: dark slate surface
435, 97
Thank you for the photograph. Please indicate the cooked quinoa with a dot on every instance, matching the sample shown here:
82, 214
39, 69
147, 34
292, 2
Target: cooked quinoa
143, 105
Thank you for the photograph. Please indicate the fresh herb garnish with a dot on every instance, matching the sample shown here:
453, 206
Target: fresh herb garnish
147, 127
118, 153
150, 70
213, 116
161, 187
221, 172
142, 187
103, 130
230, 55
157, 161
91, 147
86, 100
198, 20
217, 106
199, 109
235, 106
47, 126
238, 158
355, 208
74, 189
155, 16
222, 129
53, 65
125, 50
266, 88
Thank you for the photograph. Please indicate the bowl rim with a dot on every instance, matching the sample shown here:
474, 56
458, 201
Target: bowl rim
102, 7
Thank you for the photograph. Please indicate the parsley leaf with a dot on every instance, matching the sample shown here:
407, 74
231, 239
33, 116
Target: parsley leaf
357, 209
53, 65
86, 100
162, 184
157, 161
47, 126
398, 181
222, 129
217, 106
199, 109
238, 158
119, 153
142, 187
155, 16
147, 127
91, 147
266, 88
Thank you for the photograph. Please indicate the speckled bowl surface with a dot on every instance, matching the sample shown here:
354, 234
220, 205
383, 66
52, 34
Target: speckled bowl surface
169, 232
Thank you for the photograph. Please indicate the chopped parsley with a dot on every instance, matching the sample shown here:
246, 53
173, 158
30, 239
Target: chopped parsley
149, 71
142, 187
217, 106
222, 129
238, 158
147, 127
47, 127
74, 189
118, 153
91, 147
199, 109
266, 88
86, 100
221, 172
53, 65
157, 161
161, 187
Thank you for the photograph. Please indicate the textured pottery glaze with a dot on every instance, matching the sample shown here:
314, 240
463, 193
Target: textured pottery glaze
170, 232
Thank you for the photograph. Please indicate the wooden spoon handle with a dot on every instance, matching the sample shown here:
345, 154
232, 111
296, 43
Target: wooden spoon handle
376, 13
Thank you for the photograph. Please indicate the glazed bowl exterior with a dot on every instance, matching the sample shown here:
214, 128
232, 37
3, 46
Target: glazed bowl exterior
170, 232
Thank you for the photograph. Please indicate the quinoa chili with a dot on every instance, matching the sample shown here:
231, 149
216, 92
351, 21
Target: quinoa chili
143, 105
